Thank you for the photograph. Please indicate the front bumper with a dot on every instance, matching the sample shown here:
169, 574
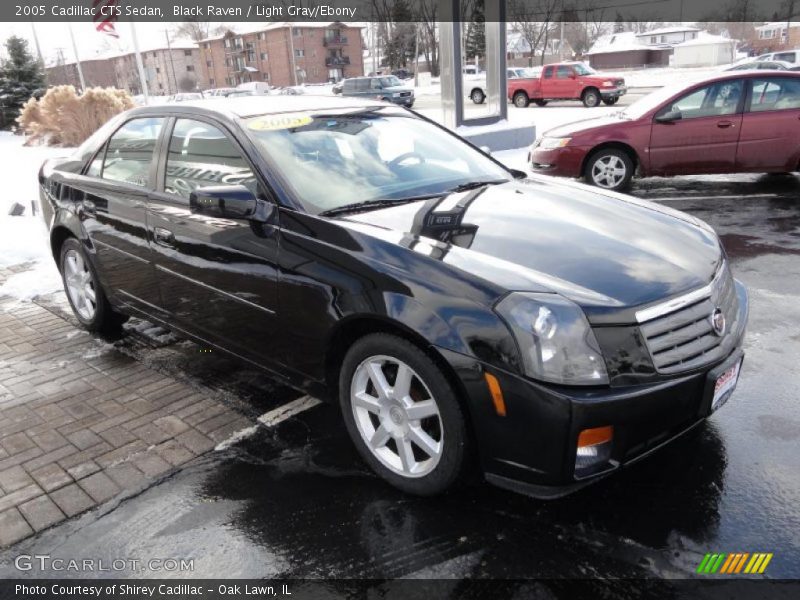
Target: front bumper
616, 92
532, 448
563, 162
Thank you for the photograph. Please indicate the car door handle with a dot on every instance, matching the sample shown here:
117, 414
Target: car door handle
163, 237
725, 124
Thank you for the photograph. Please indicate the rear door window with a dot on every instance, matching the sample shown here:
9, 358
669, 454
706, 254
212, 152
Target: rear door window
775, 93
563, 72
548, 72
785, 56
129, 154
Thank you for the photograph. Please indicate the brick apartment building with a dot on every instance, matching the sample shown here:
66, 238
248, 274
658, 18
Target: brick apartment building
283, 54
167, 70
773, 37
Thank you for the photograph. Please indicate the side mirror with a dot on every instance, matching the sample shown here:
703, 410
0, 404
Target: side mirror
670, 116
224, 201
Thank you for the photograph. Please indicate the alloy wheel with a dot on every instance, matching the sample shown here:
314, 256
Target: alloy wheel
397, 416
80, 285
608, 171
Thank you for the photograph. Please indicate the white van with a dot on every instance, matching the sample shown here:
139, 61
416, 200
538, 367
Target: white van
260, 87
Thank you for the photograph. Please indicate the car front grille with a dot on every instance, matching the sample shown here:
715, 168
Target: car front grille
684, 338
619, 82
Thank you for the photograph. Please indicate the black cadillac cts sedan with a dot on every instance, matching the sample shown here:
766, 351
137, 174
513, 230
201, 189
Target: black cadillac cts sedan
461, 314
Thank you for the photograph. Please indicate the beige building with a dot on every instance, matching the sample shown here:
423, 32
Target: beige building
168, 70
283, 54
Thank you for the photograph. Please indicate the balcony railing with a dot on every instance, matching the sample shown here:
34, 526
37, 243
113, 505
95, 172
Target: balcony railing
334, 40
336, 61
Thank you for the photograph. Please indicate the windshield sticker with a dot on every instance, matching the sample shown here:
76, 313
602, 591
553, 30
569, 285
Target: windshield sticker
275, 122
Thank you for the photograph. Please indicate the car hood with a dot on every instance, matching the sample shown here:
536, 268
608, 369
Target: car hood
569, 129
606, 252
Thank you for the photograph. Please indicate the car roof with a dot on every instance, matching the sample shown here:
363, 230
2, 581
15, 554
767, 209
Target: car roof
251, 106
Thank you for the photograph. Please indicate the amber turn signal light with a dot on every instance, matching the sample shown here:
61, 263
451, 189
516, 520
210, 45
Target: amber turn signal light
497, 394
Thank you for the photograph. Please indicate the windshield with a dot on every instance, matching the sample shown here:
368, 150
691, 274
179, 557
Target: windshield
582, 69
653, 100
390, 81
337, 158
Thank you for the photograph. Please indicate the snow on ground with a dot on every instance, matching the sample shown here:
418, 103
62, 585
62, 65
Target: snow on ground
24, 239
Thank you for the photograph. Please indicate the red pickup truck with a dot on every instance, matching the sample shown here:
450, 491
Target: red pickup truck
567, 81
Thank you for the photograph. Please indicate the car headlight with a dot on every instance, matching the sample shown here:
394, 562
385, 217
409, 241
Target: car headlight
555, 339
550, 143
608, 84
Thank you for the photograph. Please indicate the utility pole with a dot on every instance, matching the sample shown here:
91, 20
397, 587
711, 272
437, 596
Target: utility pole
36, 41
172, 61
139, 64
416, 54
291, 53
77, 59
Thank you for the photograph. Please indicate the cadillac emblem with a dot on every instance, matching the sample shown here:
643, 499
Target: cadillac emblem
718, 322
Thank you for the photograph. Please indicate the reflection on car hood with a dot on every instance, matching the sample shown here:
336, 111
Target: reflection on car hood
604, 251
569, 129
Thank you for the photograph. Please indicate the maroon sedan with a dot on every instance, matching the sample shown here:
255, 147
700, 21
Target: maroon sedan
732, 123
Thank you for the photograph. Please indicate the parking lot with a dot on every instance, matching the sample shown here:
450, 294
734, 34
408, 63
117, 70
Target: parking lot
287, 495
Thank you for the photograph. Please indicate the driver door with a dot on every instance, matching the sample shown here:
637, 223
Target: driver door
218, 277
705, 137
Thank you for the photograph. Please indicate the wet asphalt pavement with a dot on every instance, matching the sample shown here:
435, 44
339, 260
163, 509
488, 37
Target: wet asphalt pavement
295, 501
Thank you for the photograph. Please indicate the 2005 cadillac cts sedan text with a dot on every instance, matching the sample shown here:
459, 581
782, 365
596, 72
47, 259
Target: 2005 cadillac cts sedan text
461, 314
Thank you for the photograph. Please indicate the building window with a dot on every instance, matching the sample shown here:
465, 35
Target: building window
187, 52
207, 46
251, 56
228, 42
263, 56
212, 82
299, 53
209, 64
227, 81
227, 62
297, 31
653, 39
262, 36
158, 70
189, 68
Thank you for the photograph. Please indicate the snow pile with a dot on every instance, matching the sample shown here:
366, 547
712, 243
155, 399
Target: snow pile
24, 239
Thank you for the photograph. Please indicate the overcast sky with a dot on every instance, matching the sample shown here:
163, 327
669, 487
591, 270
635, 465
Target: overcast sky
90, 42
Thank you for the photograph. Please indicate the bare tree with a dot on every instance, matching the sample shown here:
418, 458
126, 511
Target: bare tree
427, 12
195, 30
533, 20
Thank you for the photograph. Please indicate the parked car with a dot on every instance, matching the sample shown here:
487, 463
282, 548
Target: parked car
403, 74
742, 121
261, 87
789, 56
475, 84
795, 68
388, 88
452, 308
567, 81
337, 87
762, 65
185, 97
213, 93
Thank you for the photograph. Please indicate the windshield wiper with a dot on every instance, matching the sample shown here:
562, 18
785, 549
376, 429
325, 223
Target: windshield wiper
376, 204
472, 185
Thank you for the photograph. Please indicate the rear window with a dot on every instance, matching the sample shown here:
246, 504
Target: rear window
785, 56
775, 93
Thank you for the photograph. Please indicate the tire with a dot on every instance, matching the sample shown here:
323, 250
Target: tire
78, 274
477, 96
540, 102
610, 169
610, 101
440, 426
590, 98
521, 100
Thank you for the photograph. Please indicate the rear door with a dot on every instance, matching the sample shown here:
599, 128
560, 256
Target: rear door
112, 197
565, 83
549, 85
705, 138
770, 137
218, 277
